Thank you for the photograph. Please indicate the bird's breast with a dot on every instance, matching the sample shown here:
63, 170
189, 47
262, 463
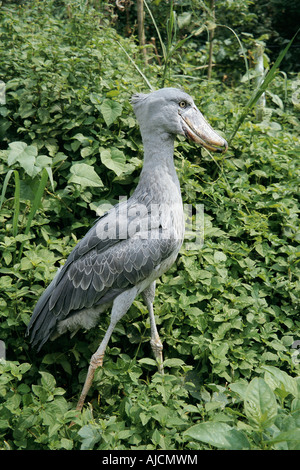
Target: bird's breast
161, 194
172, 220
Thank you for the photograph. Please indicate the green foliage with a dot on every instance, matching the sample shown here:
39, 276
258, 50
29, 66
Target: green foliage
227, 311
261, 414
270, 425
271, 22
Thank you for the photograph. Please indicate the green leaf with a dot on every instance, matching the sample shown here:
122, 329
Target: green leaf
148, 361
173, 362
40, 392
90, 436
43, 161
291, 438
239, 387
110, 110
95, 98
24, 154
219, 435
48, 381
66, 443
219, 256
184, 19
279, 379
260, 403
113, 159
84, 175
156, 437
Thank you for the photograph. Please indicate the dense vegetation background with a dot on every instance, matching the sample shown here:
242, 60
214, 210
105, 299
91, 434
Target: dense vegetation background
228, 314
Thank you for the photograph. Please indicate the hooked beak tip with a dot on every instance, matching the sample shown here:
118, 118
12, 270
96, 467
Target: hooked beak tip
217, 148
225, 147
197, 129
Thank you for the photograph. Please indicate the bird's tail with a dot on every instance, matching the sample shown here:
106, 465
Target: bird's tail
43, 322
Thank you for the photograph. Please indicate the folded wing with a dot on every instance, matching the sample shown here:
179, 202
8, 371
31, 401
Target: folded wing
121, 250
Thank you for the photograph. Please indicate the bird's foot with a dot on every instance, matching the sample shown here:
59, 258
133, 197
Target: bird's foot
95, 362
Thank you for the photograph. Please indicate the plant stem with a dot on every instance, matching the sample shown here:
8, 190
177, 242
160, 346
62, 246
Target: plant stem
211, 38
259, 68
141, 29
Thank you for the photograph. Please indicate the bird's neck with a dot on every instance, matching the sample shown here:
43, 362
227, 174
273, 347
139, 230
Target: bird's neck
158, 157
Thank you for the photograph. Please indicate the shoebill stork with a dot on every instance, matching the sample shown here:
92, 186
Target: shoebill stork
135, 242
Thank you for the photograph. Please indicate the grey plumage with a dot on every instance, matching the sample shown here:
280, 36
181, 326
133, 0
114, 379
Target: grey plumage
98, 270
131, 245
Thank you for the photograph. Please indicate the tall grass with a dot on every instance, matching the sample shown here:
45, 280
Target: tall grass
16, 205
16, 197
261, 89
171, 46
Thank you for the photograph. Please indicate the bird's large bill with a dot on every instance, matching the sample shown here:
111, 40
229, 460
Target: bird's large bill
197, 129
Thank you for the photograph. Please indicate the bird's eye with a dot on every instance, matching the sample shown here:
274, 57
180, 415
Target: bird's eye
182, 104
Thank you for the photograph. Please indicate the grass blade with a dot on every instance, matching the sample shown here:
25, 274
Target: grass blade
240, 44
37, 199
137, 68
35, 206
5, 183
16, 203
50, 174
163, 47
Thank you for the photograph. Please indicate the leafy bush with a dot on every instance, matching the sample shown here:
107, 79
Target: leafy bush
227, 313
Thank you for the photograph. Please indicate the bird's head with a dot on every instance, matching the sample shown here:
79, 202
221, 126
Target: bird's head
173, 111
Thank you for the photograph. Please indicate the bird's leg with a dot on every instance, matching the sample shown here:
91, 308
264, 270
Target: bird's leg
156, 344
95, 362
120, 307
157, 348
